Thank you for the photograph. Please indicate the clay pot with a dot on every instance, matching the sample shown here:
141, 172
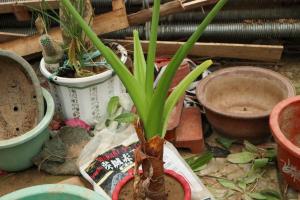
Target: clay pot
239, 100
285, 126
170, 173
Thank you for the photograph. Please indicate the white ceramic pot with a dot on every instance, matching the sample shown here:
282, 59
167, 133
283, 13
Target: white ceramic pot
85, 98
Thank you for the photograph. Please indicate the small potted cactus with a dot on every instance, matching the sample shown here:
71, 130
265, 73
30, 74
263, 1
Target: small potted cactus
81, 81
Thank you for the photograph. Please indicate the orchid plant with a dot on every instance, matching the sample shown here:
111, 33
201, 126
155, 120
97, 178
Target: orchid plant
153, 105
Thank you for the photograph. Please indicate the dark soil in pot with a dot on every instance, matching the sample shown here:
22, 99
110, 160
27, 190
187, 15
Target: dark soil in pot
173, 189
68, 72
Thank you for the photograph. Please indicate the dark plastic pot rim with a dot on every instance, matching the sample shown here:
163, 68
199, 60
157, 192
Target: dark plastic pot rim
185, 185
42, 125
200, 88
280, 138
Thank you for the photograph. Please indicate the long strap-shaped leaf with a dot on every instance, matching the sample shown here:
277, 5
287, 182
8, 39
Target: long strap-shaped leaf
134, 89
179, 91
154, 118
152, 49
139, 60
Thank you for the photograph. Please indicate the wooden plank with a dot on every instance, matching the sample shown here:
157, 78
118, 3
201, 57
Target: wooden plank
145, 15
118, 4
197, 3
6, 36
28, 45
267, 53
104, 23
111, 21
168, 8
8, 7
21, 13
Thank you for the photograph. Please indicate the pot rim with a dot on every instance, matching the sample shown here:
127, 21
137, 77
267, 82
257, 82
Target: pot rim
54, 188
291, 91
274, 125
76, 82
185, 185
42, 125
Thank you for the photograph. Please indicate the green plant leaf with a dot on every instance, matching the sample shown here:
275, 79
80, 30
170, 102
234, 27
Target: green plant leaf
241, 158
242, 185
154, 125
126, 118
152, 49
251, 178
271, 154
179, 91
271, 194
246, 197
196, 162
139, 60
250, 147
229, 184
260, 163
225, 142
257, 195
132, 86
113, 105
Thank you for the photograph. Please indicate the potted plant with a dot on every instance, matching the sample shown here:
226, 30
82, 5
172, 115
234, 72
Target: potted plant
81, 81
153, 105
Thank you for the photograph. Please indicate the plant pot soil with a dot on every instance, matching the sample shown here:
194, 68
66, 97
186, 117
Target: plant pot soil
177, 188
285, 126
239, 100
21, 102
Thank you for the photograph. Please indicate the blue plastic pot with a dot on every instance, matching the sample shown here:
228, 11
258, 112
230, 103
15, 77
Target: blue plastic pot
16, 153
53, 192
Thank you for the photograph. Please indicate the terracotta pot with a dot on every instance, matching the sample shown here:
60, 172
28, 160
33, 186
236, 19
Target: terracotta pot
185, 185
239, 100
285, 126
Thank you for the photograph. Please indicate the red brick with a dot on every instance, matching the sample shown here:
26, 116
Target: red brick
189, 133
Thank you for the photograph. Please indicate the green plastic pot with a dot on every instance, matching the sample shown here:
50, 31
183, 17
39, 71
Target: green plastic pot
16, 153
53, 192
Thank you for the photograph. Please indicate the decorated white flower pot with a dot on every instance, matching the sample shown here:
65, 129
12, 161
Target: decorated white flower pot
85, 98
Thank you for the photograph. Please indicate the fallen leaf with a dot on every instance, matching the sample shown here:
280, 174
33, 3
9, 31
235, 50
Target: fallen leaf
241, 158
251, 178
225, 142
242, 185
229, 184
271, 194
260, 163
256, 195
247, 197
250, 147
197, 162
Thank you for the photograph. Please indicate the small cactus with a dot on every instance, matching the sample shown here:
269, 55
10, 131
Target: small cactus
52, 51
